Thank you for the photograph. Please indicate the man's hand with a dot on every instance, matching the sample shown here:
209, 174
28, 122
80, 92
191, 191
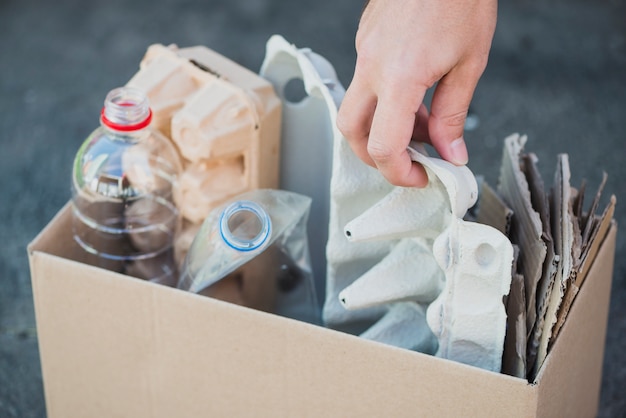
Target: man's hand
403, 48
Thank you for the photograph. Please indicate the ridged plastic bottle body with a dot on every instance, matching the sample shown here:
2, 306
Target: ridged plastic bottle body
123, 178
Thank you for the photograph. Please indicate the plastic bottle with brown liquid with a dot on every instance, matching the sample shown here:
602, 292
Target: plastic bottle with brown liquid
123, 178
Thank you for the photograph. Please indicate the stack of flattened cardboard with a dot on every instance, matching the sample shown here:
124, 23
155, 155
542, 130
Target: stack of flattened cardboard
556, 242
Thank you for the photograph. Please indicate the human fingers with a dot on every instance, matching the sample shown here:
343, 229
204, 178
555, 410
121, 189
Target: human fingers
420, 128
354, 118
391, 130
450, 103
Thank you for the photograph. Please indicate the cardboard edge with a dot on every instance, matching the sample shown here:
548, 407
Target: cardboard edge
587, 319
41, 239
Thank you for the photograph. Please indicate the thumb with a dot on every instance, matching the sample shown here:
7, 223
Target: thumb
449, 108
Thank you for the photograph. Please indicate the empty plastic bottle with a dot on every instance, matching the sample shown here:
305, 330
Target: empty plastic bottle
259, 235
122, 192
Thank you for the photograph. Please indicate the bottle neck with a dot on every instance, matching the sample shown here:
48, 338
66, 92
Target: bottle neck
245, 226
126, 111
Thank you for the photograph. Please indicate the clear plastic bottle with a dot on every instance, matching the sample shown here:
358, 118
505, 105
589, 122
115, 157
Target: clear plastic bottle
260, 236
122, 192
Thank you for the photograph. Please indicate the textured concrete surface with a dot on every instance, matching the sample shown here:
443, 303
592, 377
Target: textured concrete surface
557, 72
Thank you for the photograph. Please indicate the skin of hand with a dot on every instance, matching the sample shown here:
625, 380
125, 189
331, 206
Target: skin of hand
405, 47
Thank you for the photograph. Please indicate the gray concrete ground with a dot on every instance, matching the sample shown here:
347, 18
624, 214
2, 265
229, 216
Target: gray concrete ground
557, 72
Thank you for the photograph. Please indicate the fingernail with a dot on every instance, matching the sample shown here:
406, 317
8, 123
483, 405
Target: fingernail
458, 152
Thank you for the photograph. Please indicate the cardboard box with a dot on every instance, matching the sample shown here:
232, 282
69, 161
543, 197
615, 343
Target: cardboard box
113, 346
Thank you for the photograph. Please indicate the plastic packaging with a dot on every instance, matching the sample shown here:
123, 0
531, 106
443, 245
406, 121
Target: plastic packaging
122, 187
259, 236
311, 93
